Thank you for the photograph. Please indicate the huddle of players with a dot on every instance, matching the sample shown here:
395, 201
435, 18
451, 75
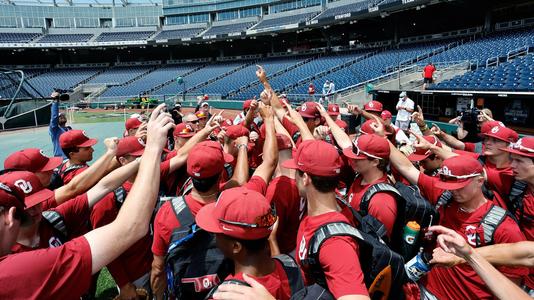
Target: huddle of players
261, 187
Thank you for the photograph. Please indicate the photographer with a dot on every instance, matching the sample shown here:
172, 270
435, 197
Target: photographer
469, 124
58, 121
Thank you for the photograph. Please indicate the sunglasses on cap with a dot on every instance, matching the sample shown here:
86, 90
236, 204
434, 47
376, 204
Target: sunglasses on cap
520, 147
357, 151
264, 221
460, 178
193, 122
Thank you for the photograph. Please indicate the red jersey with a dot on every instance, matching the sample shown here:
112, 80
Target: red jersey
136, 260
290, 206
276, 283
338, 256
461, 281
429, 71
75, 215
69, 175
427, 186
525, 222
499, 180
54, 273
292, 129
382, 206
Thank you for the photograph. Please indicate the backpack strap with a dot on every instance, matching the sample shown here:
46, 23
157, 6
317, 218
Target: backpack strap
444, 199
229, 169
71, 168
490, 222
517, 193
296, 136
187, 223
120, 195
381, 187
56, 220
294, 276
186, 187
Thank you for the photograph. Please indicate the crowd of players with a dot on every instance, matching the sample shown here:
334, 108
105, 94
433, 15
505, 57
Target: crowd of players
240, 201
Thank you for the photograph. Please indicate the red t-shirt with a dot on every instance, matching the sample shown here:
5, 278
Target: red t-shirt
382, 206
338, 256
461, 281
49, 203
499, 180
427, 186
75, 214
292, 129
276, 283
68, 177
54, 273
528, 213
429, 71
283, 192
136, 260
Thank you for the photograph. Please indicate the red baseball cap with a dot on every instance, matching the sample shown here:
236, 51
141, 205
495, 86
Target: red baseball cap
32, 160
316, 158
309, 110
523, 147
75, 138
488, 125
283, 142
366, 127
458, 171
373, 106
201, 115
130, 145
333, 110
240, 213
11, 195
29, 184
183, 130
207, 159
368, 146
421, 154
342, 124
235, 131
502, 133
386, 114
132, 123
246, 104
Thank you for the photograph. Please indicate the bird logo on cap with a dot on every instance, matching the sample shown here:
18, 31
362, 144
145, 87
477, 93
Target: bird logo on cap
495, 129
24, 185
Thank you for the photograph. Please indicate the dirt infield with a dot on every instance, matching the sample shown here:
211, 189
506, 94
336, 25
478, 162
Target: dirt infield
228, 113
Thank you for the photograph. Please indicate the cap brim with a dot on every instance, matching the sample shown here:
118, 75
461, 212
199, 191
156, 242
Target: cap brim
290, 164
417, 157
38, 197
373, 109
137, 153
350, 154
451, 186
305, 115
494, 136
53, 162
514, 151
88, 143
206, 220
333, 114
228, 158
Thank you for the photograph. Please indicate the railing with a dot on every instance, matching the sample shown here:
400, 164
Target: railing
512, 54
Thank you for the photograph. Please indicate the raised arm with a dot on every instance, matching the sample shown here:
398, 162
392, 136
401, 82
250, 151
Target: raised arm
270, 148
275, 102
88, 178
249, 117
240, 175
341, 137
131, 224
296, 118
54, 116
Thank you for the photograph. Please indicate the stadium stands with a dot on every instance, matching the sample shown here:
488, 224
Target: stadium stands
229, 28
178, 33
7, 37
344, 9
65, 38
61, 78
516, 75
286, 20
120, 75
124, 36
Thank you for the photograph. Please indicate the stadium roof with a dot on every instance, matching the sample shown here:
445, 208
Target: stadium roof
95, 3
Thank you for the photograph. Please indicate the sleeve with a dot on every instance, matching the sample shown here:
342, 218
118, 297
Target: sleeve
410, 104
164, 168
102, 213
54, 115
339, 261
383, 207
162, 233
56, 273
76, 213
256, 183
290, 127
427, 187
509, 232
470, 147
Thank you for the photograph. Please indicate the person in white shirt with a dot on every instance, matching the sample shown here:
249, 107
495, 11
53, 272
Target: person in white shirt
405, 108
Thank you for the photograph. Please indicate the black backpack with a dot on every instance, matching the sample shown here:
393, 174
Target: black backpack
194, 264
411, 206
56, 181
57, 222
516, 201
292, 270
375, 257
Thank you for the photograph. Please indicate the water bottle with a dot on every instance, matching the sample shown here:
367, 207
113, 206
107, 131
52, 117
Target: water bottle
418, 266
409, 237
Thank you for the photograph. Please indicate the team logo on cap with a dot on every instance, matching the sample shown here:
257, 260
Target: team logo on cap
334, 109
446, 171
371, 104
495, 129
24, 185
42, 152
5, 188
303, 107
141, 142
85, 134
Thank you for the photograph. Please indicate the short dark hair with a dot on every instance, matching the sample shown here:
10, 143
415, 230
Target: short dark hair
205, 184
383, 165
321, 183
254, 246
67, 151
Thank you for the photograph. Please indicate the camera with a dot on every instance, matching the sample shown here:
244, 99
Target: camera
470, 116
63, 94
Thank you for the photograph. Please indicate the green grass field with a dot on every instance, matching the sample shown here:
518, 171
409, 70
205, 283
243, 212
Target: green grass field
105, 288
99, 117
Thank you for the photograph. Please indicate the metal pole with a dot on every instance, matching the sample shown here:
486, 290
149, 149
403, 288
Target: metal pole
35, 118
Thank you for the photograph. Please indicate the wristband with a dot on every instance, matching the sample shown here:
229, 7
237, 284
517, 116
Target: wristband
241, 145
424, 128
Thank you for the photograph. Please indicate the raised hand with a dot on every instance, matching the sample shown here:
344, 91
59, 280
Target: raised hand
452, 242
420, 142
141, 131
418, 117
435, 130
111, 144
266, 112
158, 127
260, 73
266, 96
442, 258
